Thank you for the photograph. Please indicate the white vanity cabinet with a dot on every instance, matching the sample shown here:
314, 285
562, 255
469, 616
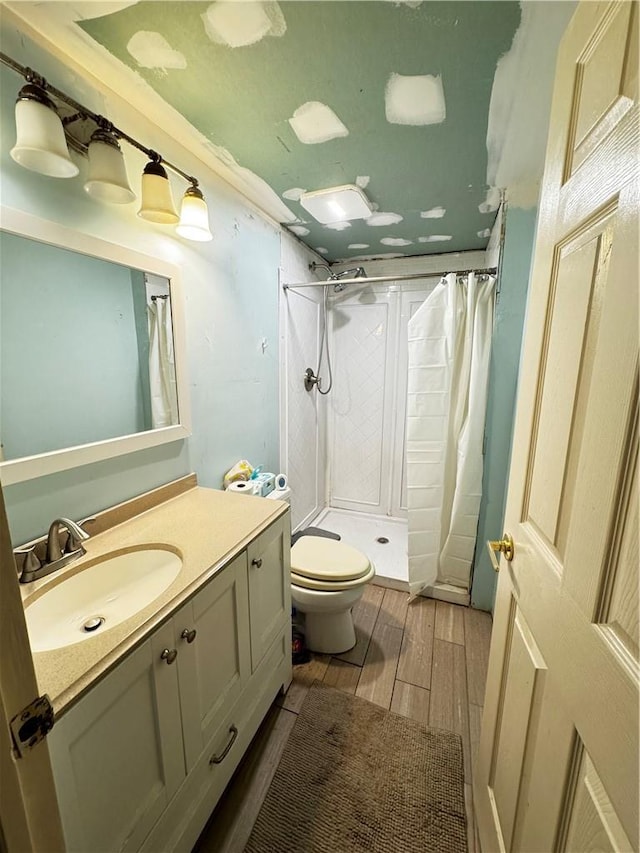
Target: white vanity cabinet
141, 760
269, 588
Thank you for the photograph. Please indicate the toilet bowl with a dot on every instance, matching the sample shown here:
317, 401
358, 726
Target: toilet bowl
327, 580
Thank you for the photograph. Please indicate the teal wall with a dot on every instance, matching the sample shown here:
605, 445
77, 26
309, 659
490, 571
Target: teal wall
69, 364
505, 362
231, 299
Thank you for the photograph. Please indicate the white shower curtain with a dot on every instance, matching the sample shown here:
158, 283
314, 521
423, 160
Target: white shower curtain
449, 353
162, 373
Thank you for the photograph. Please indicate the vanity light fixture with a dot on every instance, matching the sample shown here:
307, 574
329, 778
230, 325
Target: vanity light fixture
157, 201
43, 137
337, 204
194, 217
40, 141
107, 180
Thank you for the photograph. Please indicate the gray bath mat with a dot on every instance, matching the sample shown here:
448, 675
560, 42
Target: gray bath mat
354, 778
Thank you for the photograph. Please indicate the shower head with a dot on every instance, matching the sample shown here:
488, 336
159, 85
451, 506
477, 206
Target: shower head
354, 272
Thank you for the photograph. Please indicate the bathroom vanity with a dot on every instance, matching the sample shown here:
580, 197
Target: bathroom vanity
154, 714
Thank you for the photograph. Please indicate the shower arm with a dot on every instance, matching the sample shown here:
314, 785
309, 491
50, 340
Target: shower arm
380, 279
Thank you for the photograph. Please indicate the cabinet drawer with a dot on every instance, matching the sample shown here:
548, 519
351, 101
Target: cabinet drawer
269, 586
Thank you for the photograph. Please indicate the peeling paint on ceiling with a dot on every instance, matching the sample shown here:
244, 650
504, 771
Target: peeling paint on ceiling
391, 96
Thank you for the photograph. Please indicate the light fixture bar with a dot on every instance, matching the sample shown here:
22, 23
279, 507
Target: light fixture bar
32, 76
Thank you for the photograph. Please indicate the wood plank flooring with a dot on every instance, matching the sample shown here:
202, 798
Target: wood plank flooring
426, 660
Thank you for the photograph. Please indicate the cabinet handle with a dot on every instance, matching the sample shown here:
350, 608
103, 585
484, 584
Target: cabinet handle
218, 759
169, 655
257, 563
189, 635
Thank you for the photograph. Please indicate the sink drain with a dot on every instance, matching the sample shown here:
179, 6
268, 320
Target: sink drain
93, 624
382, 540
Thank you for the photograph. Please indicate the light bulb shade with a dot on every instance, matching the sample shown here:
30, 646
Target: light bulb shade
107, 179
40, 142
194, 217
157, 203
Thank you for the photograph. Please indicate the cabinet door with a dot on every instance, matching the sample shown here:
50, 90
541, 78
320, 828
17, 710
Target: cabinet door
117, 755
214, 663
269, 586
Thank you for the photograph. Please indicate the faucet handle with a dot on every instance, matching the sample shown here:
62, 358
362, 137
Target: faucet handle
76, 535
26, 559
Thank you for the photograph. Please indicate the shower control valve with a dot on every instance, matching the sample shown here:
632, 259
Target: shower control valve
310, 379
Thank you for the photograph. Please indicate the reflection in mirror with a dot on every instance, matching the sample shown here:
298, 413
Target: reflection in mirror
86, 349
78, 339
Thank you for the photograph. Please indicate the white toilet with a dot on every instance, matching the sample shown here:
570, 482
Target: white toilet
327, 578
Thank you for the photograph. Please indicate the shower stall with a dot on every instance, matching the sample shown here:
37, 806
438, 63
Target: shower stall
346, 451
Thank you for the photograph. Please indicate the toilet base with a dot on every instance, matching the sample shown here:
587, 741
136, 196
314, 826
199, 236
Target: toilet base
329, 633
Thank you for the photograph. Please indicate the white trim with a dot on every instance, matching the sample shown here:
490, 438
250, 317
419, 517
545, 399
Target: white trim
446, 592
41, 464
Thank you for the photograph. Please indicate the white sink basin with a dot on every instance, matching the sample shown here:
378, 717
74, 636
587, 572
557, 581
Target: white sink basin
100, 596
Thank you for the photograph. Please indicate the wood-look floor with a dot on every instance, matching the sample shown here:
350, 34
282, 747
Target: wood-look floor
426, 660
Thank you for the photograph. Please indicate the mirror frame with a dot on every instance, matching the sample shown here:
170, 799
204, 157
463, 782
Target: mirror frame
39, 465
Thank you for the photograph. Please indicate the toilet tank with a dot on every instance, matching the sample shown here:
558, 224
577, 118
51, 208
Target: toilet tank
280, 495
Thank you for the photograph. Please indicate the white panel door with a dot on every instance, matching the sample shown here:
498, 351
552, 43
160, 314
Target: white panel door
558, 755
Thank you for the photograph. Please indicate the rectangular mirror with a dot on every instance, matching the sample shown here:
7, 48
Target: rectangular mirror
91, 350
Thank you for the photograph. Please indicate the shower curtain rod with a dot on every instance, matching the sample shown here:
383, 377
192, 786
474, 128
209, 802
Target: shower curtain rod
378, 279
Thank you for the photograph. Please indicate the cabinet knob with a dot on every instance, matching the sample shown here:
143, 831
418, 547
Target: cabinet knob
257, 563
189, 635
169, 655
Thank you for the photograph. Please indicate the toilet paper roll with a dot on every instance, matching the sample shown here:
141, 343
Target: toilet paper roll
244, 487
281, 482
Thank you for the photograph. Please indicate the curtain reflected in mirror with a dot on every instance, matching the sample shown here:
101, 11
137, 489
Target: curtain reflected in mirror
162, 374
86, 349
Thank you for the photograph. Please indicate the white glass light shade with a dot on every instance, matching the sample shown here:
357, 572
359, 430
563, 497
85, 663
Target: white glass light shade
194, 217
157, 203
40, 142
107, 180
337, 204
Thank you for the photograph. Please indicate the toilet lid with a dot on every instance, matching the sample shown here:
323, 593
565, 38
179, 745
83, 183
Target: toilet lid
327, 560
331, 585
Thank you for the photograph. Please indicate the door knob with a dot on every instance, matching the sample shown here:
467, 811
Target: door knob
500, 546
169, 655
257, 563
189, 635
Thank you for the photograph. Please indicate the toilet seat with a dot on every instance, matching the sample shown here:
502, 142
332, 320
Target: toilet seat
332, 586
326, 564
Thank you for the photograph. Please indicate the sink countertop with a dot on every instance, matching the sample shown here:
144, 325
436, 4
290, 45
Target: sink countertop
208, 527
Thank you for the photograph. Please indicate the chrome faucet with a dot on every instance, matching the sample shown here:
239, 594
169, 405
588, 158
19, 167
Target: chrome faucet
51, 553
76, 536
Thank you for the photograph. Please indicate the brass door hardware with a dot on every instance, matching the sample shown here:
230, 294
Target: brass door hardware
500, 546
